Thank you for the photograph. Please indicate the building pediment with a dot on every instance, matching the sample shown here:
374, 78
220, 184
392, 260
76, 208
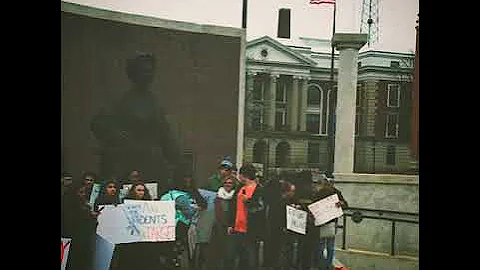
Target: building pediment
268, 50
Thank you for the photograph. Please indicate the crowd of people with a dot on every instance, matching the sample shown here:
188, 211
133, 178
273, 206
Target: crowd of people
249, 230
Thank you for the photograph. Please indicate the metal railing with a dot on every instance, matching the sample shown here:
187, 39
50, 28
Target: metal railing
358, 214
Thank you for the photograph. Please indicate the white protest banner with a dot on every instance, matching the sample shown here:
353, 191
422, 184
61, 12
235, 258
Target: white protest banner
138, 221
65, 250
152, 188
296, 220
325, 209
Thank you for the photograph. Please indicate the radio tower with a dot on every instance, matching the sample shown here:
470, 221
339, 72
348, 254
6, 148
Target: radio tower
369, 20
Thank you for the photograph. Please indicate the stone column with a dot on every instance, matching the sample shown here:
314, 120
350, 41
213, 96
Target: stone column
348, 45
303, 104
272, 90
293, 113
249, 108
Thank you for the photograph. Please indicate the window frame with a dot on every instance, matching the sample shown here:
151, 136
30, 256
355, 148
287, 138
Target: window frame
391, 154
282, 85
387, 124
259, 109
389, 90
317, 132
309, 152
262, 81
320, 94
278, 126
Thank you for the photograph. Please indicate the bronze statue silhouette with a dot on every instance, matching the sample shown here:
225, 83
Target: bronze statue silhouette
134, 133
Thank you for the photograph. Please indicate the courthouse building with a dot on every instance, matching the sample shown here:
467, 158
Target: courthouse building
287, 116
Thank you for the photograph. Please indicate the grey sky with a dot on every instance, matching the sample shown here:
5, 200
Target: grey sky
396, 17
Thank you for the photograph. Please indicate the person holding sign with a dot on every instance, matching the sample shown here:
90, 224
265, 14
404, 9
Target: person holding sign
328, 230
80, 225
306, 243
188, 202
246, 219
219, 239
138, 255
109, 194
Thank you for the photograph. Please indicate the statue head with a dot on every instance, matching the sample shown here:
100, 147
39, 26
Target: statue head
140, 69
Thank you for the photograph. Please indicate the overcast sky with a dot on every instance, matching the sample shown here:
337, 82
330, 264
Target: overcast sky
396, 17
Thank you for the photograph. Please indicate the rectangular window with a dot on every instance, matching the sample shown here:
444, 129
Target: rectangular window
391, 153
313, 123
313, 152
392, 125
280, 119
394, 64
359, 95
281, 94
257, 119
259, 88
329, 122
393, 95
357, 123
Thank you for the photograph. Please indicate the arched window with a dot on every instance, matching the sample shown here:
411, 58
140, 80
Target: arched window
314, 95
259, 149
281, 154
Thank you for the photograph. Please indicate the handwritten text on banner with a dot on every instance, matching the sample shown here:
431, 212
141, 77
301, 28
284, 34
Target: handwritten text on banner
325, 209
138, 221
296, 220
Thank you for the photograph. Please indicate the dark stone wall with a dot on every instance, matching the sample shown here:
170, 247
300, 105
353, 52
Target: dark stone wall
196, 83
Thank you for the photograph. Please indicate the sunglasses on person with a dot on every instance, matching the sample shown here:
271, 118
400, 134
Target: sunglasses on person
89, 179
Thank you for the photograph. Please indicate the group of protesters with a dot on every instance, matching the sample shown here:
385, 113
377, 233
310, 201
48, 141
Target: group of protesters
249, 229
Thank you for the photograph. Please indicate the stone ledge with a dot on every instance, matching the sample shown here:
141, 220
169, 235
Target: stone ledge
377, 254
386, 179
349, 40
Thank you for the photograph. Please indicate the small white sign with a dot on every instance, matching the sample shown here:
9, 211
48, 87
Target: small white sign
65, 250
296, 220
325, 209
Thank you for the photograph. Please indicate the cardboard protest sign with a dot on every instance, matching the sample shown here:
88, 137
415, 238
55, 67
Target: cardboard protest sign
122, 194
65, 250
296, 220
103, 253
138, 221
94, 194
325, 209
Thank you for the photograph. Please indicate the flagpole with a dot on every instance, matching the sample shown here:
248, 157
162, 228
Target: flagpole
333, 100
244, 14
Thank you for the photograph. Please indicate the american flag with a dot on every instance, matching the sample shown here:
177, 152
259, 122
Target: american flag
318, 2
